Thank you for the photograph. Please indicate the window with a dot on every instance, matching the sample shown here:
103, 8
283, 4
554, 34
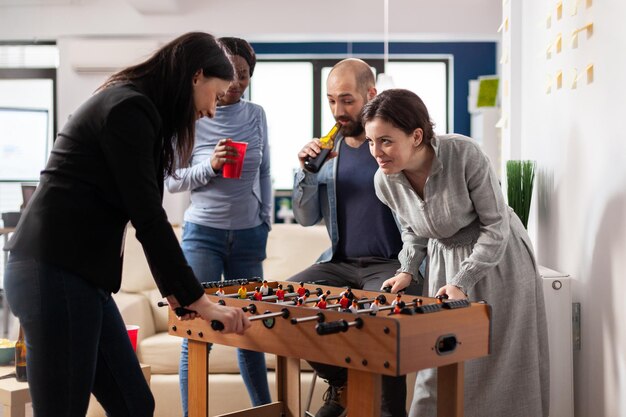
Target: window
27, 90
284, 90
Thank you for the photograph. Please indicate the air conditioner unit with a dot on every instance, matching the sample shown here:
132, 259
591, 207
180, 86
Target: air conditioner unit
557, 291
155, 6
108, 55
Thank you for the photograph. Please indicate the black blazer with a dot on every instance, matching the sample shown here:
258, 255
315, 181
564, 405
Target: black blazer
105, 169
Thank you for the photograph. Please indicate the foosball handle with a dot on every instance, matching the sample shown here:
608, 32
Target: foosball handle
331, 327
215, 324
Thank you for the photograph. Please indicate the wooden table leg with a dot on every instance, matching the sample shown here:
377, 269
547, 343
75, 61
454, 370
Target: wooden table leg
450, 390
17, 410
364, 393
198, 386
288, 385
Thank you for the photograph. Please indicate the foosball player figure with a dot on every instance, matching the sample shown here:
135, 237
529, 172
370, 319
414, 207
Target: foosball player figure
441, 297
242, 291
265, 289
344, 302
348, 293
397, 308
397, 300
355, 306
257, 295
220, 290
301, 290
375, 306
300, 301
280, 293
321, 303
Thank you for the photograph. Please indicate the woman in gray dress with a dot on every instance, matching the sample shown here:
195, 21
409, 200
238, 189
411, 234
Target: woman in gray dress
451, 208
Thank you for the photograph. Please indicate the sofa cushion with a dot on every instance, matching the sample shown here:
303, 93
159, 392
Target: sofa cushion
161, 351
292, 248
136, 309
136, 275
160, 314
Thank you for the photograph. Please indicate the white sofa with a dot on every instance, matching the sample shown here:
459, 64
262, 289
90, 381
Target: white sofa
290, 249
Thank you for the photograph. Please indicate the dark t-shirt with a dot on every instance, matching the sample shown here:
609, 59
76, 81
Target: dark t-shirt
366, 226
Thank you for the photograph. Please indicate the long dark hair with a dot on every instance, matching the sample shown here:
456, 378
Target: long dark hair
403, 109
167, 78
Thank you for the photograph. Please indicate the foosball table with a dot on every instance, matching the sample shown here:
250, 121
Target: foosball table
370, 341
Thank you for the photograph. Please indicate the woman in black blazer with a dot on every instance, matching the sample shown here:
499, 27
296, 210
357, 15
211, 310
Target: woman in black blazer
106, 169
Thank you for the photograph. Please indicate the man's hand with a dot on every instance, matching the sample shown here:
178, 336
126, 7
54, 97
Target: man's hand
312, 149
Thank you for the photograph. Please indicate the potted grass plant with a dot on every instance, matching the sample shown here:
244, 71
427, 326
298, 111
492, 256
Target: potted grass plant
520, 179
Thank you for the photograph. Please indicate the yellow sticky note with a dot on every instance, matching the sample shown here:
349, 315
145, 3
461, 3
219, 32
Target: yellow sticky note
559, 10
504, 26
504, 59
574, 79
559, 79
487, 91
558, 43
589, 72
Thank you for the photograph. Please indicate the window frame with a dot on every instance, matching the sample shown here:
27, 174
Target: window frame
376, 62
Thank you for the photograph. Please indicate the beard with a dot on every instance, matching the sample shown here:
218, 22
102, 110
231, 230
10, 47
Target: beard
353, 128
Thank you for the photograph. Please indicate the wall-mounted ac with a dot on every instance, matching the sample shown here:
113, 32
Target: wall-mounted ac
155, 6
108, 55
13, 3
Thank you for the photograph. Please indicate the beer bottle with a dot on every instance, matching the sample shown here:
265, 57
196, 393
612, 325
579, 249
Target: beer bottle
20, 357
327, 143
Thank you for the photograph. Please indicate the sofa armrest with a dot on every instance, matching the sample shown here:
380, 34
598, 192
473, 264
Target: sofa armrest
135, 309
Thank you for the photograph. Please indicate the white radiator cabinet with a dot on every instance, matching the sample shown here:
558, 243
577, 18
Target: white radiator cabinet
557, 291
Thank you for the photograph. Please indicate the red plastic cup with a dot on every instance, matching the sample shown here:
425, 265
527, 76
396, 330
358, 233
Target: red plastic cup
233, 169
132, 330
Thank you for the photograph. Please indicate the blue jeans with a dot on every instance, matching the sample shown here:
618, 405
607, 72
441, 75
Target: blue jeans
76, 343
236, 254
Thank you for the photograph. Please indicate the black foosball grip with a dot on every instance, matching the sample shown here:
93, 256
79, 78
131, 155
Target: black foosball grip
217, 325
181, 311
331, 327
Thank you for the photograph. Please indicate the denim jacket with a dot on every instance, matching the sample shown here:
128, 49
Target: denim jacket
315, 198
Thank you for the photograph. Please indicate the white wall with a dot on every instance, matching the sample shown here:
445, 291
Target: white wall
576, 137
